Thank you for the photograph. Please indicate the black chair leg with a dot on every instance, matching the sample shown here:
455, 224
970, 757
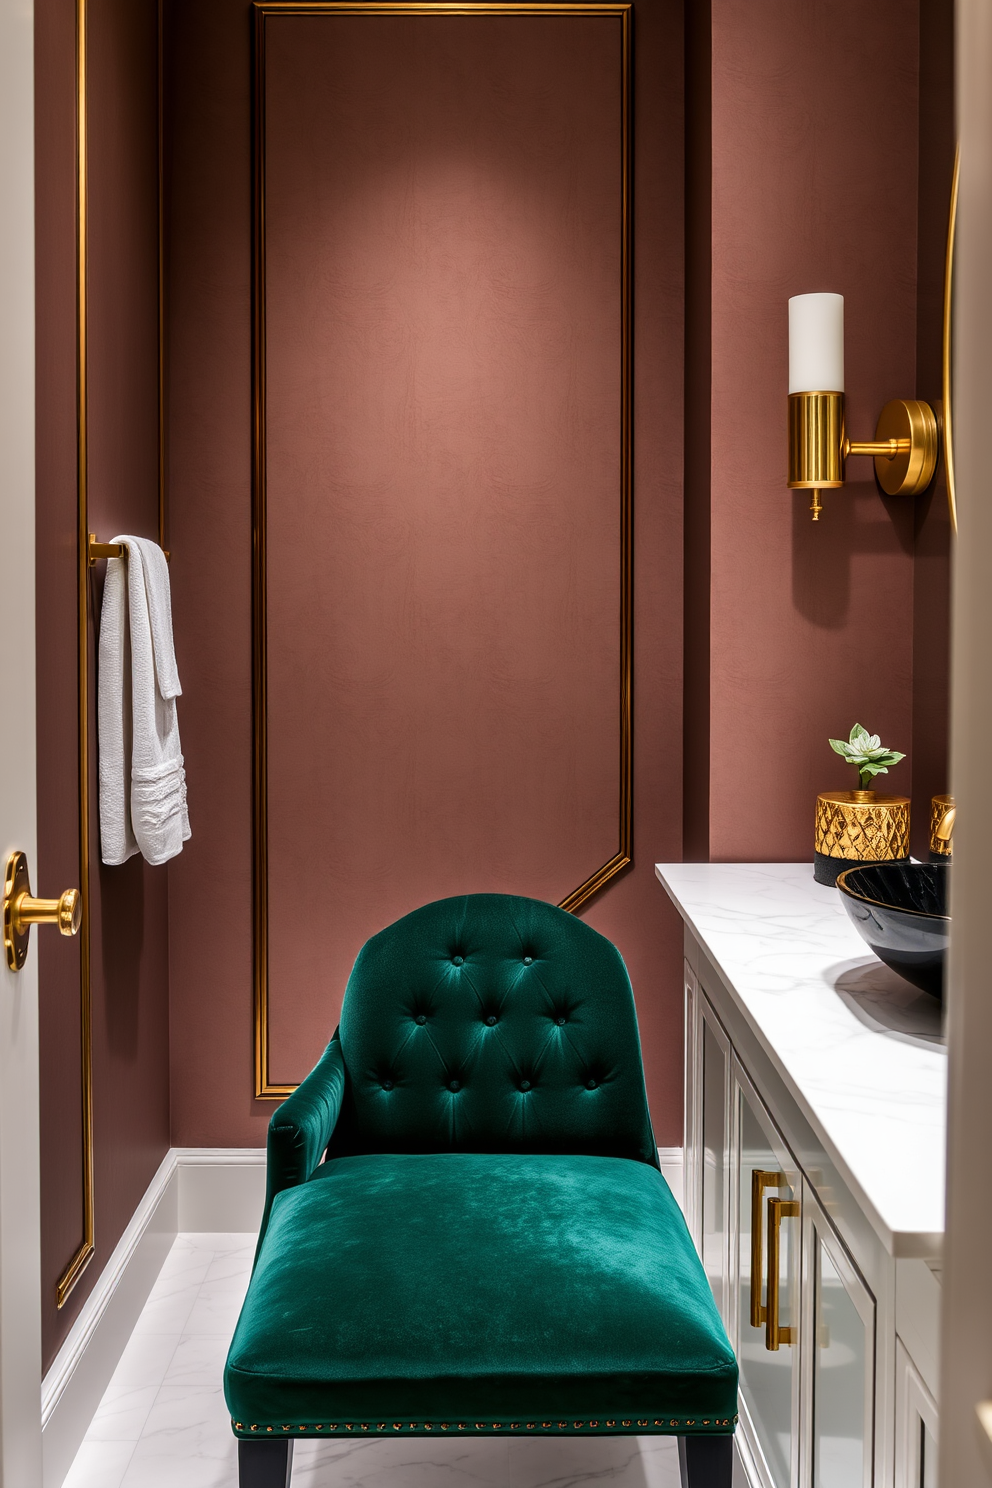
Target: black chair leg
706, 1461
265, 1464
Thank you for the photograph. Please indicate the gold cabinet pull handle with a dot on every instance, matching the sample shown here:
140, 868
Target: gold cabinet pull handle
778, 1209
760, 1180
21, 910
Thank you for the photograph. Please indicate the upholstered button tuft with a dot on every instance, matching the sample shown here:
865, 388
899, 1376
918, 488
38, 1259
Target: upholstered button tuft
524, 1084
387, 1084
421, 1019
591, 1084
561, 1022
458, 960
528, 960
454, 1084
491, 1021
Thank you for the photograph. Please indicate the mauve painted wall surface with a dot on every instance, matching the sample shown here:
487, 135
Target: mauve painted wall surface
811, 625
444, 208
210, 447
129, 946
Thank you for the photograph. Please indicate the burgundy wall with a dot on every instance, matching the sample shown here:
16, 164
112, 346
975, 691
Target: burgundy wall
209, 193
129, 904
444, 334
810, 627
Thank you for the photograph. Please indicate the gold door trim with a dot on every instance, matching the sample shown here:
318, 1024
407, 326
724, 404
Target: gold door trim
84, 1254
265, 1088
85, 1251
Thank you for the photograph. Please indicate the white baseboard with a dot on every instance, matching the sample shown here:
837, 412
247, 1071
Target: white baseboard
196, 1189
671, 1170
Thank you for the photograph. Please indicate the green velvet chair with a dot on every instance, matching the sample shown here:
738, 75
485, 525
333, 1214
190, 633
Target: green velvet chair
466, 1231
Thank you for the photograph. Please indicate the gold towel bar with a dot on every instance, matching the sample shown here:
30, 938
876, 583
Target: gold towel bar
100, 550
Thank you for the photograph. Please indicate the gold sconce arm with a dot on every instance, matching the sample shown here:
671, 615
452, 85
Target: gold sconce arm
882, 449
21, 910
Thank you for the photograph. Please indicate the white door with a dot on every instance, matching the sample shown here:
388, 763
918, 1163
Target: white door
20, 1254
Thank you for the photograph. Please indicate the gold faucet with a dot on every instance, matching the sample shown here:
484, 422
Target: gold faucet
942, 817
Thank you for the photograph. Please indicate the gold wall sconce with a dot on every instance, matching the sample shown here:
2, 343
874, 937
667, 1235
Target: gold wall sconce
905, 445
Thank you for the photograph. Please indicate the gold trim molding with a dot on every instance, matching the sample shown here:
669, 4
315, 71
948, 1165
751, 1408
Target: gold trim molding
265, 1088
84, 1253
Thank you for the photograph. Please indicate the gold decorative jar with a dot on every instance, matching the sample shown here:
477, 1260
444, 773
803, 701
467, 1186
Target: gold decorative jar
855, 827
942, 815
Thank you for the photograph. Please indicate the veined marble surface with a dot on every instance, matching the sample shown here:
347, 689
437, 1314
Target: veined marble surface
859, 1047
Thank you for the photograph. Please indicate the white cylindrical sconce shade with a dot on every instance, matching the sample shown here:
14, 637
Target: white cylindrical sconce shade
816, 343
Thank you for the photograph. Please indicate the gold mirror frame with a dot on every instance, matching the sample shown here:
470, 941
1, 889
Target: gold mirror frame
948, 338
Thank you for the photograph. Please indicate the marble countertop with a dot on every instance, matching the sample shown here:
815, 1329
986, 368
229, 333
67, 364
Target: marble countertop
858, 1047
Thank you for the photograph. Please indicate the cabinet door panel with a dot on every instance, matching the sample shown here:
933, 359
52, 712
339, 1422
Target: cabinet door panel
840, 1326
916, 1426
769, 1190
692, 1141
715, 1155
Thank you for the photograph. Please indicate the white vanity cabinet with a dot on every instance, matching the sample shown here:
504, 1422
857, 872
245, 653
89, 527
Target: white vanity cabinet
830, 1298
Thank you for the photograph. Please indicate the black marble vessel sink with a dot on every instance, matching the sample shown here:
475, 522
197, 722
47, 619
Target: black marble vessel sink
900, 909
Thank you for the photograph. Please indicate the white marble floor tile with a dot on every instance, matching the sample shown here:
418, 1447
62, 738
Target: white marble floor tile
186, 1442
100, 1464
217, 1307
199, 1360
621, 1461
146, 1358
169, 1313
414, 1463
122, 1413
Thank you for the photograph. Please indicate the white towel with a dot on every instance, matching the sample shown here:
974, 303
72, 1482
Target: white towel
142, 780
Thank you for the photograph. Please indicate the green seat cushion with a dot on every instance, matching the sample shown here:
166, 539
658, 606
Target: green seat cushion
479, 1292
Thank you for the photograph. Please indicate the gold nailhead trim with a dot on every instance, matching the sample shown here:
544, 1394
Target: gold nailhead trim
381, 1426
642, 1423
268, 1428
624, 1423
428, 1426
530, 1425
514, 1425
253, 1428
593, 1423
444, 1425
461, 1425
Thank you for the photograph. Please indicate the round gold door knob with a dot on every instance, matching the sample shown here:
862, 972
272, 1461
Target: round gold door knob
21, 911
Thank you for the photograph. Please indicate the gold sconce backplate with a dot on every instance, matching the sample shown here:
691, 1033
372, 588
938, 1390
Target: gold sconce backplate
913, 425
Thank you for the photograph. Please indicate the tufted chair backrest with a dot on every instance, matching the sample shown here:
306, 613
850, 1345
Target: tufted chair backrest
491, 1023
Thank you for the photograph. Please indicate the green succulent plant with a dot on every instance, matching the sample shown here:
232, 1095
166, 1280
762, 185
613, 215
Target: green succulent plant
867, 753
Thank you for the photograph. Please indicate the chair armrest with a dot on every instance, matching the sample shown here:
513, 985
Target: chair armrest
301, 1128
